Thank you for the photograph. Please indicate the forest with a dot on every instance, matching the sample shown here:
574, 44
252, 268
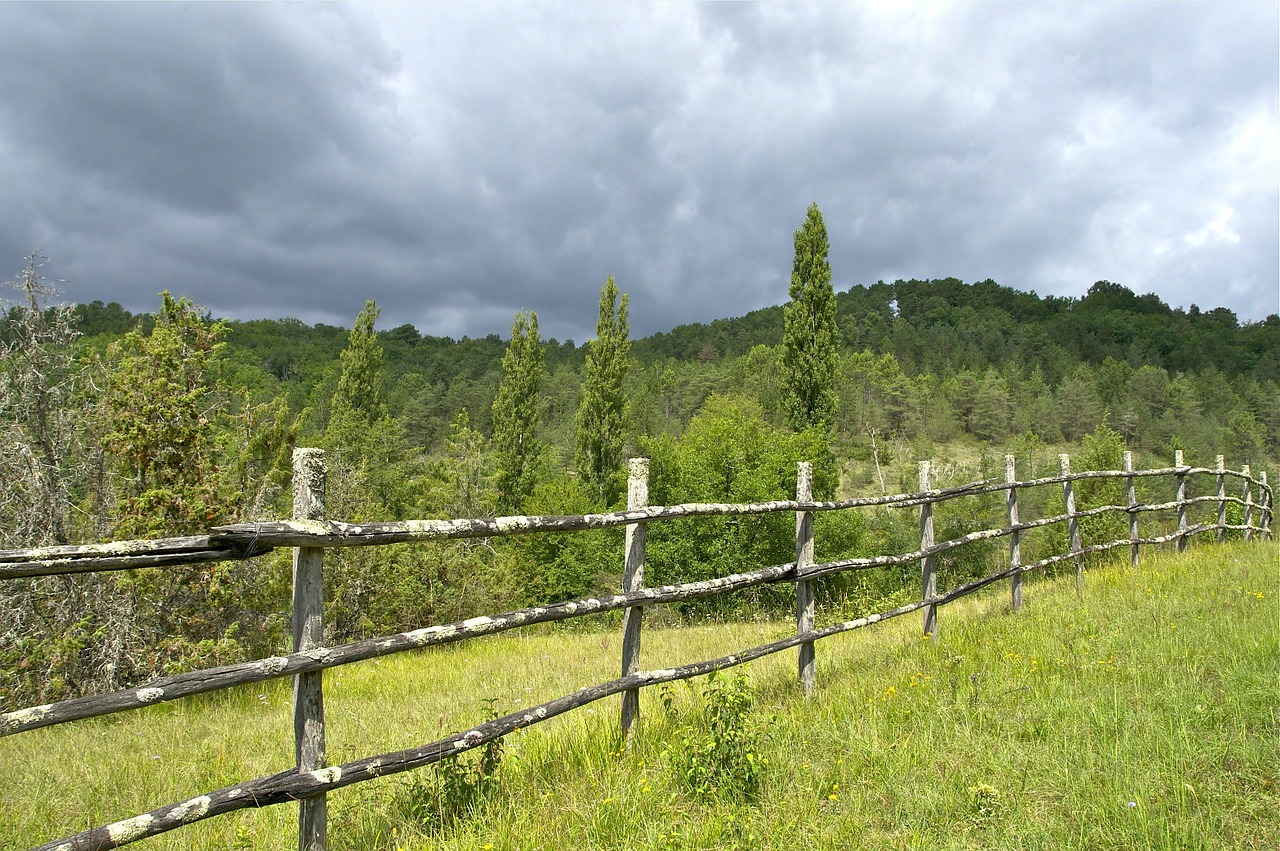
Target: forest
118, 426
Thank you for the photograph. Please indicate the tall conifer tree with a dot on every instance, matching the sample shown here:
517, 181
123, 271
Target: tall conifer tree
360, 386
810, 337
602, 415
516, 447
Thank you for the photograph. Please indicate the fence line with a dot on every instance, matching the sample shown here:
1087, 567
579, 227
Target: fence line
293, 785
244, 673
310, 533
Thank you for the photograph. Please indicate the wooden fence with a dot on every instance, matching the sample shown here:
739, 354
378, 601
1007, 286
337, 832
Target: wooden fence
309, 533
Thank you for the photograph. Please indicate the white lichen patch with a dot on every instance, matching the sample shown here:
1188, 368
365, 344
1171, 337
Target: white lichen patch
22, 717
475, 623
310, 527
511, 524
193, 810
273, 665
472, 737
150, 695
328, 775
129, 829
425, 635
571, 607
375, 768
540, 712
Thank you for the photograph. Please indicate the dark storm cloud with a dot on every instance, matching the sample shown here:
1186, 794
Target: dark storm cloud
457, 163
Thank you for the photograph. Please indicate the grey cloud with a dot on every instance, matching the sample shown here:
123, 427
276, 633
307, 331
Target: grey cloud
458, 163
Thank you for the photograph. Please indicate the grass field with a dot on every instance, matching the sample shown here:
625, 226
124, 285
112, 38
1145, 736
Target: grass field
1144, 715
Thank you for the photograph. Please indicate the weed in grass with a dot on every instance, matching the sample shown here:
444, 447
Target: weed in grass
458, 787
988, 803
722, 757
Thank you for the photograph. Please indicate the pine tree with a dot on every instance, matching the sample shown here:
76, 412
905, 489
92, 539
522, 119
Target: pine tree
516, 447
810, 336
603, 413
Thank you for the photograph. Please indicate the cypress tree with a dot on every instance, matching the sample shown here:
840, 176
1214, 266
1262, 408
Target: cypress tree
602, 415
360, 386
516, 448
810, 337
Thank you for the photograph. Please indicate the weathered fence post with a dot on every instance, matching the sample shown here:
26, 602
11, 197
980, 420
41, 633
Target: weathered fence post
1268, 506
1248, 502
308, 607
1015, 545
1181, 500
1222, 499
928, 565
1132, 496
804, 587
1073, 523
633, 580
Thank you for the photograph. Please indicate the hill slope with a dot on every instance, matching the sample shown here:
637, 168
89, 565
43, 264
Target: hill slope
1140, 716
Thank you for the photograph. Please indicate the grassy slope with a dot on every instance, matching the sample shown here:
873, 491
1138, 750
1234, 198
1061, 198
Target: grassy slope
1143, 716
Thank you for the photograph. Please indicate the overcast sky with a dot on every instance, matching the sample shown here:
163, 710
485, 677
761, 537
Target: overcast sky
458, 163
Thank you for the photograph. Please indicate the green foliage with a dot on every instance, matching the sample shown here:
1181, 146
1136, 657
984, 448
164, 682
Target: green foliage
460, 483
810, 337
518, 453
554, 568
602, 419
360, 386
729, 453
1101, 450
456, 788
721, 757
162, 408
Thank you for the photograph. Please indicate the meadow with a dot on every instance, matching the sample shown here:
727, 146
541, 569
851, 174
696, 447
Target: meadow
1142, 715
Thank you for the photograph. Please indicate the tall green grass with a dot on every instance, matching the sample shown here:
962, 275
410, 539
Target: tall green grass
1143, 715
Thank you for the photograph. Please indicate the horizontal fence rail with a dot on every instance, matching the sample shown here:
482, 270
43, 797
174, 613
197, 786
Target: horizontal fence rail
309, 780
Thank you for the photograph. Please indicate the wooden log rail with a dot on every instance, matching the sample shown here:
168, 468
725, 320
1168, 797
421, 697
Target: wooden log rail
249, 540
309, 533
